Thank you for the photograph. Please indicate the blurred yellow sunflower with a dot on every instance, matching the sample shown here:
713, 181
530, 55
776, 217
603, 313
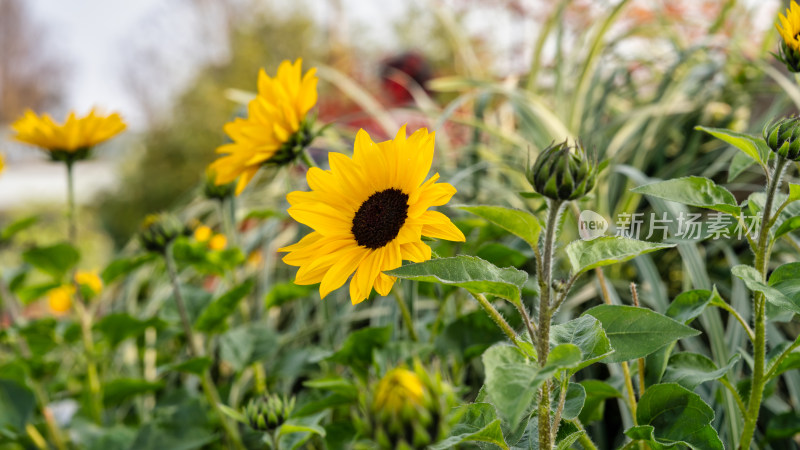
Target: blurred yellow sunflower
397, 389
76, 135
369, 213
275, 129
91, 279
2, 163
789, 26
59, 299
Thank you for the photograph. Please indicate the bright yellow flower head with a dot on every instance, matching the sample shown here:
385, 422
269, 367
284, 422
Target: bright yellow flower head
369, 213
218, 242
202, 233
2, 163
274, 118
89, 279
789, 26
60, 299
398, 388
74, 135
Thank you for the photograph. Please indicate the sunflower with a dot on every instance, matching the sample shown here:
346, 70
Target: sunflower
789, 28
369, 213
71, 140
275, 129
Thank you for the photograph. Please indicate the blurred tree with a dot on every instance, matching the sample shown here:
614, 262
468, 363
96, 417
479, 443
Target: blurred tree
30, 77
177, 150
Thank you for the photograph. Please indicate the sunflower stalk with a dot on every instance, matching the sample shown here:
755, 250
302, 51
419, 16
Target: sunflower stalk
72, 230
545, 279
207, 384
763, 248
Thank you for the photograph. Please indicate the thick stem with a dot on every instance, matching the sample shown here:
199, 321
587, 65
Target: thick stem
72, 231
584, 439
626, 373
206, 382
759, 308
545, 275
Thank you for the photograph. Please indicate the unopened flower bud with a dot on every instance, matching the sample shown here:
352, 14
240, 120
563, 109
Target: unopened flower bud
783, 137
563, 172
158, 230
269, 412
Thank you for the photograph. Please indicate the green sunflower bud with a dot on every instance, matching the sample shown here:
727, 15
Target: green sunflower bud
269, 412
213, 191
158, 230
563, 172
783, 137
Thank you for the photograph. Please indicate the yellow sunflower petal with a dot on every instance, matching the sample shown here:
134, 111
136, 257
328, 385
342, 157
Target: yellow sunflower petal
437, 225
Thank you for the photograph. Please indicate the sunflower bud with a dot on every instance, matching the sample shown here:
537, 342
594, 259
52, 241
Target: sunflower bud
562, 172
783, 137
158, 230
295, 145
213, 191
789, 57
269, 412
408, 409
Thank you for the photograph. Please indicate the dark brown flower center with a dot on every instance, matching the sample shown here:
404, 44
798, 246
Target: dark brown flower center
379, 219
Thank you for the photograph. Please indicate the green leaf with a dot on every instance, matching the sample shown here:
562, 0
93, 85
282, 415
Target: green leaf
692, 191
637, 332
794, 192
690, 304
573, 404
786, 227
752, 279
54, 260
501, 256
691, 369
116, 391
246, 344
786, 279
356, 351
16, 407
512, 380
520, 223
607, 250
739, 164
471, 273
124, 266
120, 326
587, 334
752, 146
567, 441
212, 319
298, 430
669, 414
783, 426
194, 366
283, 293
477, 422
15, 227
685, 308
597, 392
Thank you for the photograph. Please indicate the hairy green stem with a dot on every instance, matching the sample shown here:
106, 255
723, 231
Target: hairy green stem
498, 319
545, 276
759, 308
584, 438
210, 391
